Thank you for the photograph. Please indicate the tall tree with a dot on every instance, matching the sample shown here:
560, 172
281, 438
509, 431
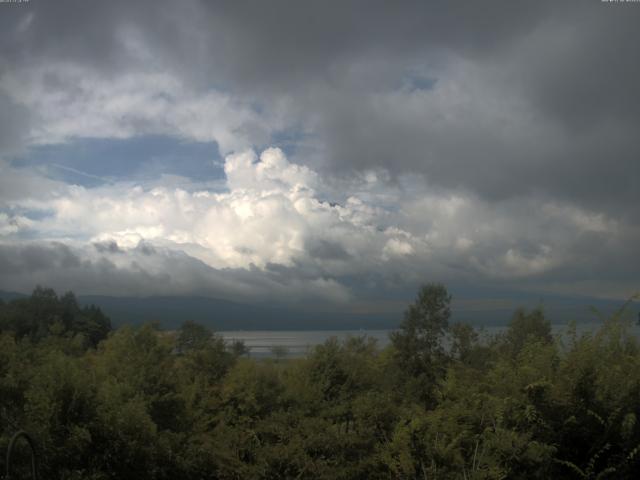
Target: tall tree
193, 336
526, 327
418, 343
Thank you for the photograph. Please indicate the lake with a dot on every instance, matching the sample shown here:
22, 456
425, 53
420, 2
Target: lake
299, 342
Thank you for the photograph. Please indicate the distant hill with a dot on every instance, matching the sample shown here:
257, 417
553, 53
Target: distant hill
485, 307
219, 314
172, 311
227, 315
8, 296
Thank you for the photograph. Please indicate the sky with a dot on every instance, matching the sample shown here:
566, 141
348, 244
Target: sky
334, 154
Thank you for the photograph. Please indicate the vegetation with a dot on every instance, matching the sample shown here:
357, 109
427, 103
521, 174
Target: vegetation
440, 402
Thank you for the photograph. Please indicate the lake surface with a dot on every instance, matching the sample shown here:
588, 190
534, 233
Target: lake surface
297, 342
300, 342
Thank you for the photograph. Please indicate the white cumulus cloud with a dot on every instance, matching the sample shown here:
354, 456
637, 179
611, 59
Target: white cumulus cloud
274, 214
69, 101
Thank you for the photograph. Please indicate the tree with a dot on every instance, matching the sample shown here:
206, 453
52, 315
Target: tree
279, 351
44, 314
526, 327
94, 324
418, 343
193, 336
463, 341
238, 348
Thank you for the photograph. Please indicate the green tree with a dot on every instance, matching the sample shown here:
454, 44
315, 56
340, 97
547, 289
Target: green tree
193, 336
45, 315
279, 351
528, 327
464, 340
418, 343
238, 348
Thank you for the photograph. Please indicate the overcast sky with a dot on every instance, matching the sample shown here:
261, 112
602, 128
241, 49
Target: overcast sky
334, 153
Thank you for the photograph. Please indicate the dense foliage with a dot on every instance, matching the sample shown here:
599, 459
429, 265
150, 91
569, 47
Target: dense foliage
440, 402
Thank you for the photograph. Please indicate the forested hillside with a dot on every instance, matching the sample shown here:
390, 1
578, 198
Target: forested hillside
440, 402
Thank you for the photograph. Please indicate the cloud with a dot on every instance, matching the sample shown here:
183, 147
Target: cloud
11, 224
69, 101
489, 98
273, 171
14, 124
142, 271
494, 143
275, 222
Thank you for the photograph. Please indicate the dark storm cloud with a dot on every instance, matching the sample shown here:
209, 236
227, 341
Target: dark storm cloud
569, 67
324, 250
290, 43
14, 121
255, 41
565, 72
36, 258
90, 32
273, 45
597, 168
585, 71
107, 247
148, 271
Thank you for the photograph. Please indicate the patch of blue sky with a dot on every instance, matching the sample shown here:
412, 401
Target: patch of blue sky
26, 235
92, 162
415, 81
30, 213
289, 140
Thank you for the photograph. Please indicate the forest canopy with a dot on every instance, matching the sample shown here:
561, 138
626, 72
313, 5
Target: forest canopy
441, 401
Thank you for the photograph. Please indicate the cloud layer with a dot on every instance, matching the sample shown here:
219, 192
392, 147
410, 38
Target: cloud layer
490, 144
285, 223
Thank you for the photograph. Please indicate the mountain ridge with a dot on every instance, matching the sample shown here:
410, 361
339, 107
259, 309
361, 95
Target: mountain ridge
222, 315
